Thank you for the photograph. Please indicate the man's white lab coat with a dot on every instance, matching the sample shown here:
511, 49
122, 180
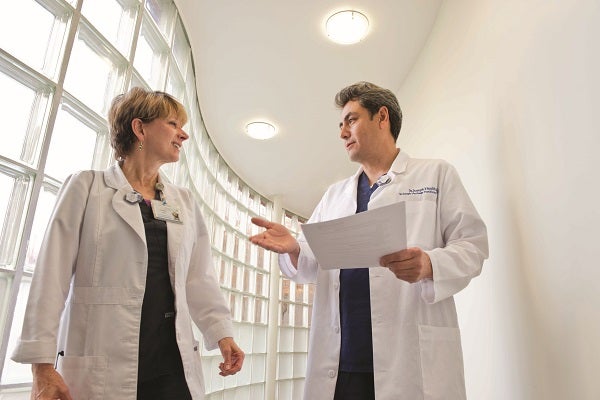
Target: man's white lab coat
94, 257
416, 340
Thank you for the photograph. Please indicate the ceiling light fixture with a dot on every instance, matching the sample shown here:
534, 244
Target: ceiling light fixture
347, 27
260, 130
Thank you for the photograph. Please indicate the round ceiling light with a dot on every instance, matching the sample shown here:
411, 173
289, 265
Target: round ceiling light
347, 27
260, 130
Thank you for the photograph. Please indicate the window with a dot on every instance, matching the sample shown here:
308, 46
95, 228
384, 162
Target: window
295, 310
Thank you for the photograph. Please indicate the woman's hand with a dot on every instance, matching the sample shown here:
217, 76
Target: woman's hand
48, 384
233, 357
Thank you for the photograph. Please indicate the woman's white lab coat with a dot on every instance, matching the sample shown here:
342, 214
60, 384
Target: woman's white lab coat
94, 257
416, 340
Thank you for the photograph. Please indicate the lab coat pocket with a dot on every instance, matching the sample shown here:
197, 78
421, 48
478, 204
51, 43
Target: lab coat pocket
441, 363
84, 376
421, 223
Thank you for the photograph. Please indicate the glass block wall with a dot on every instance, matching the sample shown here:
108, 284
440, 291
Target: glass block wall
295, 310
57, 82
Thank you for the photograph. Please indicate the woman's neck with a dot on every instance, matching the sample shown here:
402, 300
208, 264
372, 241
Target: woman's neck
141, 179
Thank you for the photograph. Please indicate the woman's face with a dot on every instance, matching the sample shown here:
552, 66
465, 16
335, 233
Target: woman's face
163, 138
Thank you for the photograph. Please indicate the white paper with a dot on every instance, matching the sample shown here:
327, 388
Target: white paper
358, 240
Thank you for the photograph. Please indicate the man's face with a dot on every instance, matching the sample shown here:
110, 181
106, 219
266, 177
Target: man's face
359, 131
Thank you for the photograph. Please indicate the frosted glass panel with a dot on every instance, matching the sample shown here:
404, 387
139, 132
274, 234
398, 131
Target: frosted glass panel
258, 366
13, 199
12, 371
150, 57
70, 133
284, 390
94, 74
22, 116
286, 340
115, 19
39, 47
163, 15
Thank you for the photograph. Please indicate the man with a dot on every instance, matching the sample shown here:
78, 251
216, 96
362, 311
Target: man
388, 332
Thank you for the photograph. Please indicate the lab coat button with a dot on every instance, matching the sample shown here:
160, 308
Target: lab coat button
337, 329
336, 285
331, 373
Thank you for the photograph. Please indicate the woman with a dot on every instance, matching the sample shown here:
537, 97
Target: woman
127, 256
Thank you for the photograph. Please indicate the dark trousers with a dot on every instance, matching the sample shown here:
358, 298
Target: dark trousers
164, 387
354, 386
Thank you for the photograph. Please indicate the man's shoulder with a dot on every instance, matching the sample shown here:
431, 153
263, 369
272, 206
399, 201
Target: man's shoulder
429, 164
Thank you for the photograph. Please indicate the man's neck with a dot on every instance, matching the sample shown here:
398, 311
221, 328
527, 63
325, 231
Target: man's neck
377, 167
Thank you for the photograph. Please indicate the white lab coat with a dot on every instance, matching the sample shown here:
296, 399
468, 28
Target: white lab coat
94, 257
416, 340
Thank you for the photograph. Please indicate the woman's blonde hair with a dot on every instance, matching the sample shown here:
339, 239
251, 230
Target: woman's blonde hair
143, 104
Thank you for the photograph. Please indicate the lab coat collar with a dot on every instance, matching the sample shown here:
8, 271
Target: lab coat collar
400, 163
398, 166
115, 178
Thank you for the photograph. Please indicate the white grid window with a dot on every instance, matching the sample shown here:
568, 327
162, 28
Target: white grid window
295, 311
151, 55
96, 71
26, 112
115, 19
40, 48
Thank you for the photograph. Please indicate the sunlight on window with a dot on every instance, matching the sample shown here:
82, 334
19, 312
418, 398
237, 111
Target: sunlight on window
13, 197
92, 75
162, 12
19, 108
35, 47
73, 138
14, 372
150, 57
114, 19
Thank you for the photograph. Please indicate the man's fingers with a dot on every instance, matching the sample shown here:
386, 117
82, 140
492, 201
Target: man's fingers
399, 256
263, 223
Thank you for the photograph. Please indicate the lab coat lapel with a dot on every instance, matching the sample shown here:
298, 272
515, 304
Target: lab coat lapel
348, 204
174, 229
129, 212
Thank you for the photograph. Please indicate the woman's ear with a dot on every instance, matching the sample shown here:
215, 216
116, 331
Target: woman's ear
137, 126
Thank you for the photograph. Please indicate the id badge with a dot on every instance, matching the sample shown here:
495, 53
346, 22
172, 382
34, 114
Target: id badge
165, 212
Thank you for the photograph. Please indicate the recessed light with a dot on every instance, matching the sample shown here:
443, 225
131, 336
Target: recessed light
347, 27
260, 130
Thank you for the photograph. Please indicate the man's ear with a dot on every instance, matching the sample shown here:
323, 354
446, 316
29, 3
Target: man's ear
383, 114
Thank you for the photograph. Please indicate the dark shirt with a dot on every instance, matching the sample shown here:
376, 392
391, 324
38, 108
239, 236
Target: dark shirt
158, 350
356, 354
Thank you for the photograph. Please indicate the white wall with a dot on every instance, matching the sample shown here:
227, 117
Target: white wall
508, 91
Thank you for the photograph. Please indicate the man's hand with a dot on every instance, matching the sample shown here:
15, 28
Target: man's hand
233, 357
410, 265
276, 238
48, 384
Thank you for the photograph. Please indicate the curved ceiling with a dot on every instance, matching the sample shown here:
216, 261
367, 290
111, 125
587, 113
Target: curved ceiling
271, 59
